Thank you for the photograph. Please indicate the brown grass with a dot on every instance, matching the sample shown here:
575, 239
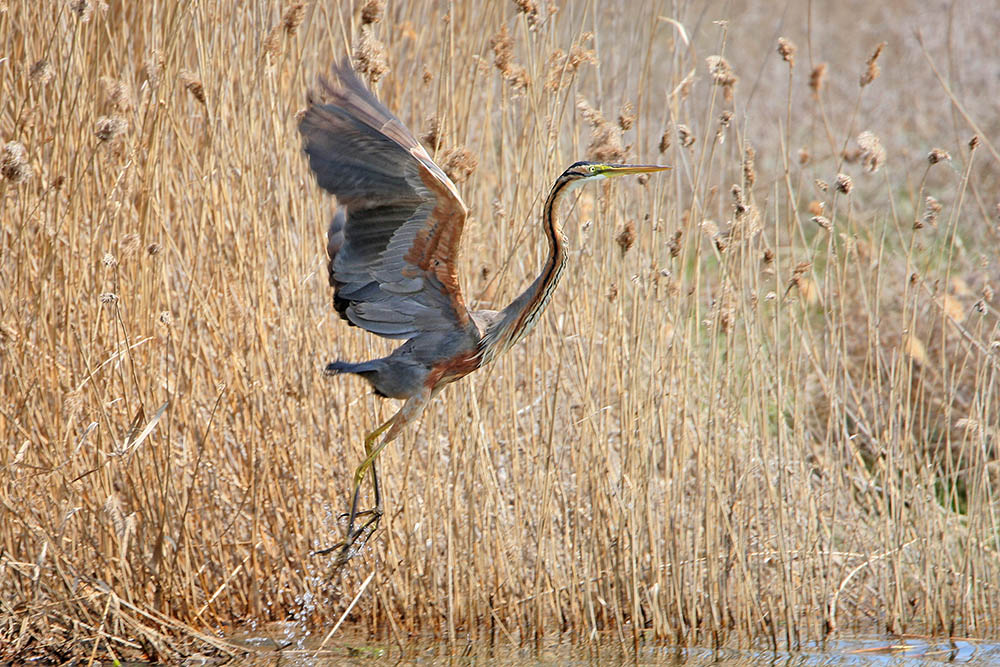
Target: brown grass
734, 423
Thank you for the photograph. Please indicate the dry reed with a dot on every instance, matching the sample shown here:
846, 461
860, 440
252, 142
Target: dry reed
734, 423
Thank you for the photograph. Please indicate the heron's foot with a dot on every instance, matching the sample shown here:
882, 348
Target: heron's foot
356, 537
347, 515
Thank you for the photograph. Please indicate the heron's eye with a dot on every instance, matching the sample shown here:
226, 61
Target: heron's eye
592, 168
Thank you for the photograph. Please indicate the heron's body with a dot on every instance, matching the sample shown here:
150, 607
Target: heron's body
393, 244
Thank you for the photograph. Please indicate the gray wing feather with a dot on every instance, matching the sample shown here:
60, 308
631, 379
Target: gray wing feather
393, 243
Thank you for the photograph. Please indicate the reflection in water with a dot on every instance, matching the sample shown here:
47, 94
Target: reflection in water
273, 644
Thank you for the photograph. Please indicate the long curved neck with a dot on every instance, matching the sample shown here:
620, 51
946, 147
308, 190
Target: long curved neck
519, 318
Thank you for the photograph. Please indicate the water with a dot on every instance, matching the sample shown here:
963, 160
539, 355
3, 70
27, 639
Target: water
345, 650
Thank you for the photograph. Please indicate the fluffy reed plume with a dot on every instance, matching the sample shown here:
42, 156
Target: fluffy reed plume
459, 163
292, 17
786, 49
372, 11
193, 85
626, 118
664, 141
626, 236
129, 245
110, 128
153, 66
503, 50
749, 166
938, 155
14, 162
823, 222
872, 69
872, 152
503, 58
562, 67
674, 244
82, 8
685, 135
722, 75
605, 138
116, 94
529, 9
844, 184
816, 80
41, 71
370, 55
431, 137
932, 208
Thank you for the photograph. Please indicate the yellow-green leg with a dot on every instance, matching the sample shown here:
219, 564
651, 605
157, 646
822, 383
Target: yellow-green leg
371, 452
410, 410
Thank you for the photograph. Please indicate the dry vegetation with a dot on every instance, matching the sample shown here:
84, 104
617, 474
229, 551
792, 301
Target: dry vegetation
763, 404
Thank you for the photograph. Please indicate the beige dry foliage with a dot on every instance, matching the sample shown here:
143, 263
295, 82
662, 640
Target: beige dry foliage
734, 425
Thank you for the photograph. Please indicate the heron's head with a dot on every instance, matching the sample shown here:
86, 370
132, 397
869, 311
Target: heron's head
582, 172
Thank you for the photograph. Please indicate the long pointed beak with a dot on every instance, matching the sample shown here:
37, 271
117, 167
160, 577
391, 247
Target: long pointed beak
623, 169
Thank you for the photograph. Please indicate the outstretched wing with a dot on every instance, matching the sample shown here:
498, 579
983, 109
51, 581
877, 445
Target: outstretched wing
394, 243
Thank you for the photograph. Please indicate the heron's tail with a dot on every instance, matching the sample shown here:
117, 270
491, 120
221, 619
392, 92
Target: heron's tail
338, 367
369, 370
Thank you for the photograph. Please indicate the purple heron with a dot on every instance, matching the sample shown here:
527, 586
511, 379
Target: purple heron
393, 246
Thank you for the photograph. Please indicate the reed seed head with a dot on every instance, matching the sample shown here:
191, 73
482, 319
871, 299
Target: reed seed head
459, 163
722, 75
938, 155
372, 12
432, 136
816, 80
272, 43
973, 143
932, 209
626, 236
14, 162
823, 222
872, 152
844, 183
291, 19
674, 244
503, 50
749, 166
129, 245
530, 10
41, 71
872, 69
82, 8
627, 117
786, 49
685, 136
193, 85
371, 55
665, 141
605, 138
562, 67
153, 66
110, 128
116, 94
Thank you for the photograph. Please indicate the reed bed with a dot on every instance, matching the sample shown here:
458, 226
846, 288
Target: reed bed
763, 405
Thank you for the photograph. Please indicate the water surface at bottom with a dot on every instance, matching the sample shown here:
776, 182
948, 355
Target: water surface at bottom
278, 646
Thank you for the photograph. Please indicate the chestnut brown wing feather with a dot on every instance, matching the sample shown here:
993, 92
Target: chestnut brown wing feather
394, 248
